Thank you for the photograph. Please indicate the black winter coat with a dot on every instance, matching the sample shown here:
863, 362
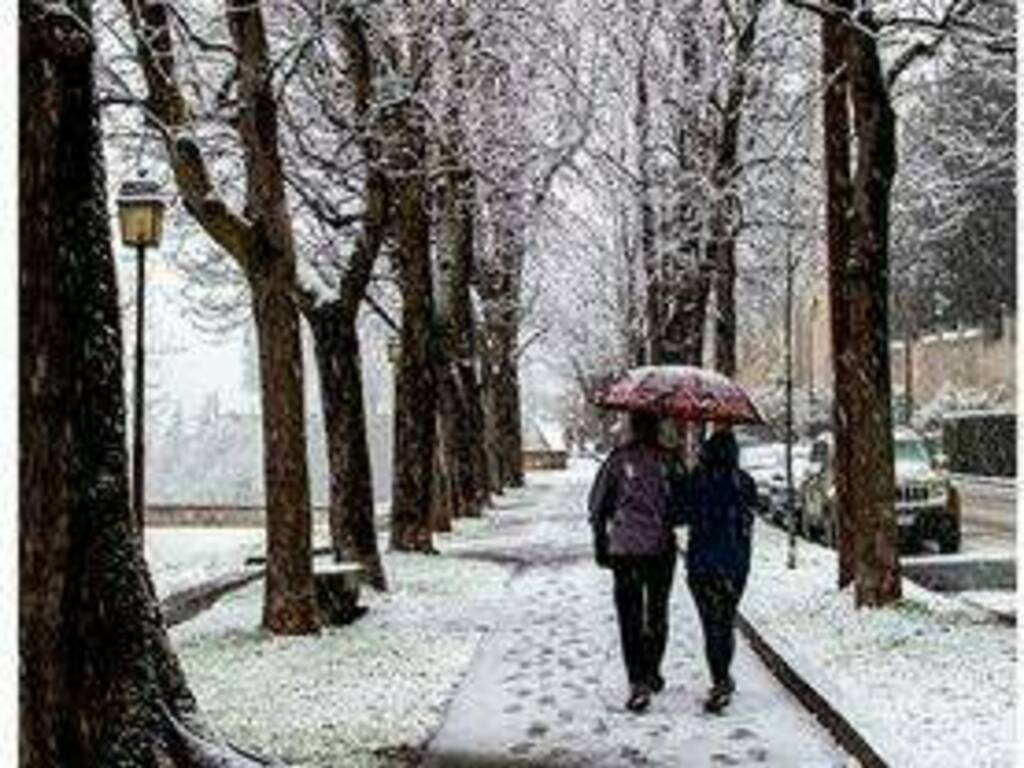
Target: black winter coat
717, 505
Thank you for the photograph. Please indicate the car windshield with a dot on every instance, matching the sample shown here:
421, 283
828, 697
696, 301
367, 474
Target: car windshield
911, 452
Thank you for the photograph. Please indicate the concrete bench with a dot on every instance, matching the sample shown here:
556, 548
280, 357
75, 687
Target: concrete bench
337, 591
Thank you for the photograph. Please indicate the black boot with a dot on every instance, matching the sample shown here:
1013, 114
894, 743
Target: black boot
639, 698
656, 683
719, 696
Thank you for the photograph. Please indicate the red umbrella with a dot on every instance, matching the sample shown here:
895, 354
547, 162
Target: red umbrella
681, 391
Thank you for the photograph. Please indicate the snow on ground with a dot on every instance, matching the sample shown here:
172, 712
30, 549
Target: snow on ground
183, 557
548, 685
930, 682
1000, 601
333, 699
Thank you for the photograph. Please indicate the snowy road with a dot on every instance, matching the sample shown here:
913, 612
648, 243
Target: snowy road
547, 686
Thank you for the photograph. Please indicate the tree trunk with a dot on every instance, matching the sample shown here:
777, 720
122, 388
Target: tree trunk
351, 520
290, 598
336, 339
725, 305
493, 453
500, 284
99, 684
415, 385
648, 242
261, 243
877, 574
724, 224
455, 371
510, 416
462, 416
473, 391
443, 506
685, 332
838, 189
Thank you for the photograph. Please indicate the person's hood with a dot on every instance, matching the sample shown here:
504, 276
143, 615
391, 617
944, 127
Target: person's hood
720, 451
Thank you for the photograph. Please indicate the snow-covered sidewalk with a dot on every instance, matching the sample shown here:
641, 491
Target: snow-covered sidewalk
929, 682
547, 688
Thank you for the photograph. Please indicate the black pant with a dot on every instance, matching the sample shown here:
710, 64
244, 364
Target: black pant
716, 598
642, 587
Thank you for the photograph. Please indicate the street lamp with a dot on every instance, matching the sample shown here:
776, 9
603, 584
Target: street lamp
140, 212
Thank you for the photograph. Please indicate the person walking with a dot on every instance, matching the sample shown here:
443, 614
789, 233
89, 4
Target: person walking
629, 507
717, 502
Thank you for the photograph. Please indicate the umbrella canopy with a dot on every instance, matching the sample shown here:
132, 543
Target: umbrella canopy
683, 392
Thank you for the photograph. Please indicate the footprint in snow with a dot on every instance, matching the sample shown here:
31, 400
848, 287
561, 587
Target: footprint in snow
634, 756
722, 759
742, 733
536, 730
758, 754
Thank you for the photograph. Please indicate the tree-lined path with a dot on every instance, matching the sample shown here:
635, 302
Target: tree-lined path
436, 222
547, 685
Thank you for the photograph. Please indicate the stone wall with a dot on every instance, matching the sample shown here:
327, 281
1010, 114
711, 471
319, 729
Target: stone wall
214, 516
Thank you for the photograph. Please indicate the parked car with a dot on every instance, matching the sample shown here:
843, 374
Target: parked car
927, 504
766, 464
762, 461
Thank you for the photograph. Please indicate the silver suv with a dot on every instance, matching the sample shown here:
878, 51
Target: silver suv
927, 504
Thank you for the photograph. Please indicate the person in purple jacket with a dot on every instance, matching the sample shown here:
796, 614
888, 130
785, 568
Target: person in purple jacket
632, 522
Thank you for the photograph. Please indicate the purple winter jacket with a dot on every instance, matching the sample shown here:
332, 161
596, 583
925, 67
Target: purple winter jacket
630, 499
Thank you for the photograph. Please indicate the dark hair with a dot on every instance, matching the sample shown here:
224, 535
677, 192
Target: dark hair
720, 451
643, 426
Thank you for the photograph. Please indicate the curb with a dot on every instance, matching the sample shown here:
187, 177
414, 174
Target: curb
992, 482
179, 607
830, 718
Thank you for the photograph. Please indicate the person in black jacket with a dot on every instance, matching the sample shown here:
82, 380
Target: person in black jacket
717, 502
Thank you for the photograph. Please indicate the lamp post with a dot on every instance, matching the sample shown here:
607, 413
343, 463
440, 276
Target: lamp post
140, 212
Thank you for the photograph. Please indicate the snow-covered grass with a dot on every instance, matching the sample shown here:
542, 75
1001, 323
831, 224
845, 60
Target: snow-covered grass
337, 698
929, 682
183, 557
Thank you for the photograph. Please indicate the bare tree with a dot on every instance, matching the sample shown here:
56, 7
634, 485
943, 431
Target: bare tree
260, 240
99, 684
334, 100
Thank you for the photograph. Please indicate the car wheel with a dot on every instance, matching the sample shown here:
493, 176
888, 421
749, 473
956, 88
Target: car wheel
949, 542
911, 542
